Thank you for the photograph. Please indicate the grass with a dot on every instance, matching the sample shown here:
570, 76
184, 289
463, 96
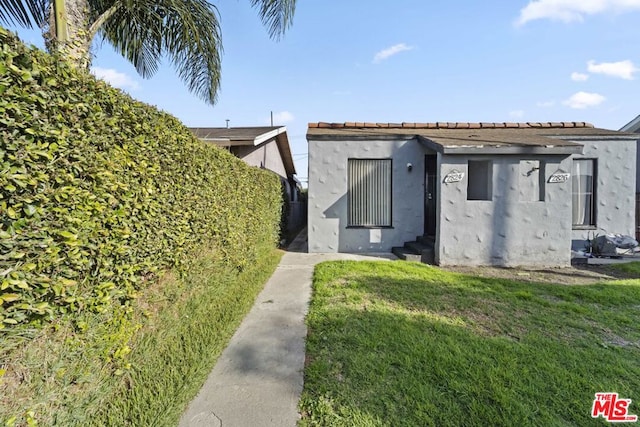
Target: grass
113, 373
404, 344
631, 268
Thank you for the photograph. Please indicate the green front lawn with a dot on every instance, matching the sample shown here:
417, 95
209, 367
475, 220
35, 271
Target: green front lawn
631, 268
396, 343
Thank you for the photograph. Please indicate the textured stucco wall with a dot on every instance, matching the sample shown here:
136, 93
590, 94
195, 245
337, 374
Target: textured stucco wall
637, 163
327, 215
527, 221
266, 155
510, 229
615, 191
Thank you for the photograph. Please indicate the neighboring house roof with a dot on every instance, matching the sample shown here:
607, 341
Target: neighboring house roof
462, 138
632, 126
253, 136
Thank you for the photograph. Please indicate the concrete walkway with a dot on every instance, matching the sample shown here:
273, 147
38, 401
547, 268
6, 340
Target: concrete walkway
258, 379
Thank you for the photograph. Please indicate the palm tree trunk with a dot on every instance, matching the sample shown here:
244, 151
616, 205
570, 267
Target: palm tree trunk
60, 17
68, 31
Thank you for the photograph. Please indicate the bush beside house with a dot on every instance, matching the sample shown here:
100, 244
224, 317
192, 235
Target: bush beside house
101, 194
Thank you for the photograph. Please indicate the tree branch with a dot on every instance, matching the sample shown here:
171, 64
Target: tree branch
99, 22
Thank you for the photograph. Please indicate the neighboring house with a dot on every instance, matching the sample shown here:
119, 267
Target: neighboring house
477, 193
265, 147
634, 127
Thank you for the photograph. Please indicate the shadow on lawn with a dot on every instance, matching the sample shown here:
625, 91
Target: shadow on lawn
399, 369
421, 290
435, 348
575, 275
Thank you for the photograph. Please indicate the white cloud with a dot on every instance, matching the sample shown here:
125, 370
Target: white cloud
282, 117
115, 78
516, 114
390, 51
579, 77
546, 104
582, 100
572, 10
622, 69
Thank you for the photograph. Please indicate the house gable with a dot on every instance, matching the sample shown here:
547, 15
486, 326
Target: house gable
256, 145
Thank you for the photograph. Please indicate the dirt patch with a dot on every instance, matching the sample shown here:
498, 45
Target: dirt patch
578, 275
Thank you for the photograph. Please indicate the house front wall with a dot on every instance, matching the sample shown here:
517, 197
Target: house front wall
328, 183
525, 220
266, 155
615, 189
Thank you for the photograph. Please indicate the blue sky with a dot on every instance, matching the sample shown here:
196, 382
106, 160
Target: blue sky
411, 61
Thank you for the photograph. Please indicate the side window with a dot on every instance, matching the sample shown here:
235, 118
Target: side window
583, 182
369, 192
480, 180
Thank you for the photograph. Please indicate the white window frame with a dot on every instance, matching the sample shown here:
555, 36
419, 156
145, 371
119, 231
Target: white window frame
583, 212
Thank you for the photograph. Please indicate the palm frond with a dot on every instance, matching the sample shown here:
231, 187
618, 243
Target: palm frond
187, 31
134, 29
25, 13
193, 40
276, 15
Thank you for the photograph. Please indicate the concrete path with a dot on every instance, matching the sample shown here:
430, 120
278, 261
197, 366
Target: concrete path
257, 380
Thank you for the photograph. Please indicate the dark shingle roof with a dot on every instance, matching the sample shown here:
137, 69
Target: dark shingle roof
254, 136
234, 133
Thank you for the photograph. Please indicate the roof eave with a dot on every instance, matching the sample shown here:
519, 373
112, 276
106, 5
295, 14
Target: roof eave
520, 149
616, 137
431, 145
362, 137
236, 140
268, 135
285, 151
632, 126
225, 142
502, 149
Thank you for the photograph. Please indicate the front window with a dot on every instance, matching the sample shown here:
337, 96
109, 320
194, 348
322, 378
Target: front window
583, 178
369, 193
479, 180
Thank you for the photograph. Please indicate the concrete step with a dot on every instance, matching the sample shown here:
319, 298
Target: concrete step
406, 254
415, 251
428, 256
426, 240
417, 247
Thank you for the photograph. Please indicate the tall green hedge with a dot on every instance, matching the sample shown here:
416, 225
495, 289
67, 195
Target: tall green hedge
98, 192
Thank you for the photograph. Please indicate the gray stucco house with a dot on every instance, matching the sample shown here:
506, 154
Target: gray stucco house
634, 127
265, 147
472, 193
